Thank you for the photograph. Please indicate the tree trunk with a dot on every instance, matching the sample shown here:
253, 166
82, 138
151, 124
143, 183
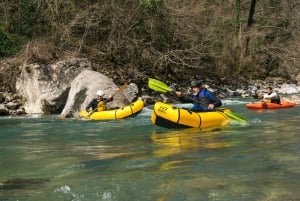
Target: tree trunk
251, 13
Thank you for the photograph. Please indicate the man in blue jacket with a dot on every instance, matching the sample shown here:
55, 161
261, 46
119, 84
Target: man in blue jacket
204, 100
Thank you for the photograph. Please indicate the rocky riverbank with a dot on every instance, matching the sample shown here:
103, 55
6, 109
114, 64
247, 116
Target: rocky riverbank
67, 86
13, 104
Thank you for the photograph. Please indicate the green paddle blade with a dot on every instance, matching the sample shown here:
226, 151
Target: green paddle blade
232, 115
235, 116
159, 86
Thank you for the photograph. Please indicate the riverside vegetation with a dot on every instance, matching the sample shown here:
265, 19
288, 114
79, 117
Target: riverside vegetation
228, 41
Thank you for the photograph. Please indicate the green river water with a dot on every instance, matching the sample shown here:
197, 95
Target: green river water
47, 158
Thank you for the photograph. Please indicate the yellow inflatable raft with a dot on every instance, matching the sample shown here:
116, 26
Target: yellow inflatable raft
168, 116
119, 113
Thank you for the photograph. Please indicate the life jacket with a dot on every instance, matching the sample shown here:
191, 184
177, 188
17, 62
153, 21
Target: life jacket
274, 100
201, 96
101, 106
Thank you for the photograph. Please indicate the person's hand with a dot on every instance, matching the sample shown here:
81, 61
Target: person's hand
211, 106
178, 93
90, 112
260, 95
255, 96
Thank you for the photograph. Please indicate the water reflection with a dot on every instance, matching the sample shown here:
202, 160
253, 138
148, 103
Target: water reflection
177, 141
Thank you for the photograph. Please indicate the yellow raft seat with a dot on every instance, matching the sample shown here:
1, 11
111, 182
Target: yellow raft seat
120, 113
168, 116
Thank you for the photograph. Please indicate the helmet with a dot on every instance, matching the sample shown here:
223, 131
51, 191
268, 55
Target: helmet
196, 83
100, 93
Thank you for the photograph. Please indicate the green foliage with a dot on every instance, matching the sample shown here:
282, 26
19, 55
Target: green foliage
152, 5
30, 20
9, 44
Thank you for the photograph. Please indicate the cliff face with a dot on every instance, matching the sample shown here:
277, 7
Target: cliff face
229, 40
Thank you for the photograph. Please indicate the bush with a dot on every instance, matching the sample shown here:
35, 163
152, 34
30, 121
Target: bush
9, 45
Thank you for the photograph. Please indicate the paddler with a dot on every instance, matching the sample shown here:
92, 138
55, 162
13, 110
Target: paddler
99, 103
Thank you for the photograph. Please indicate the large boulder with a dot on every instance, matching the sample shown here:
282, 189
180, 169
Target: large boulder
3, 110
45, 87
84, 88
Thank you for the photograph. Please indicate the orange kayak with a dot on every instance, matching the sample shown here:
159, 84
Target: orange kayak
264, 105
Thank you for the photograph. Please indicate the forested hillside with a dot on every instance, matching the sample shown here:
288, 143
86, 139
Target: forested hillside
167, 39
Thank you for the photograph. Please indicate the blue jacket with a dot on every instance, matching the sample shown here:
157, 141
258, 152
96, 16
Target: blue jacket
204, 97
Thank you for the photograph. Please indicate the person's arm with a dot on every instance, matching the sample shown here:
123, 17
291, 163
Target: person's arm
182, 99
270, 96
93, 104
215, 101
257, 96
109, 99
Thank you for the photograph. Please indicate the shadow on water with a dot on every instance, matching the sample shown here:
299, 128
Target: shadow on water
19, 183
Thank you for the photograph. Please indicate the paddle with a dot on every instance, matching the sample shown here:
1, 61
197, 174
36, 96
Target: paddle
118, 91
160, 86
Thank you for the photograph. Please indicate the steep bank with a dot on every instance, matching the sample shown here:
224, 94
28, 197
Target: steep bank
67, 86
229, 44
170, 40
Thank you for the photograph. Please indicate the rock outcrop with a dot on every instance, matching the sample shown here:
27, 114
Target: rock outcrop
45, 87
61, 88
83, 90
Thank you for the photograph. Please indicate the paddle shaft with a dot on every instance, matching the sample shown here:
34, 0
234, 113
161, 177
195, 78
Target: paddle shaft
196, 101
120, 89
231, 114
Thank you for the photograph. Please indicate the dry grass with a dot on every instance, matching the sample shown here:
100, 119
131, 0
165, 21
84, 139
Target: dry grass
179, 35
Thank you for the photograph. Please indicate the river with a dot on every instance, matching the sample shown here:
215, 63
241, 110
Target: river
48, 158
